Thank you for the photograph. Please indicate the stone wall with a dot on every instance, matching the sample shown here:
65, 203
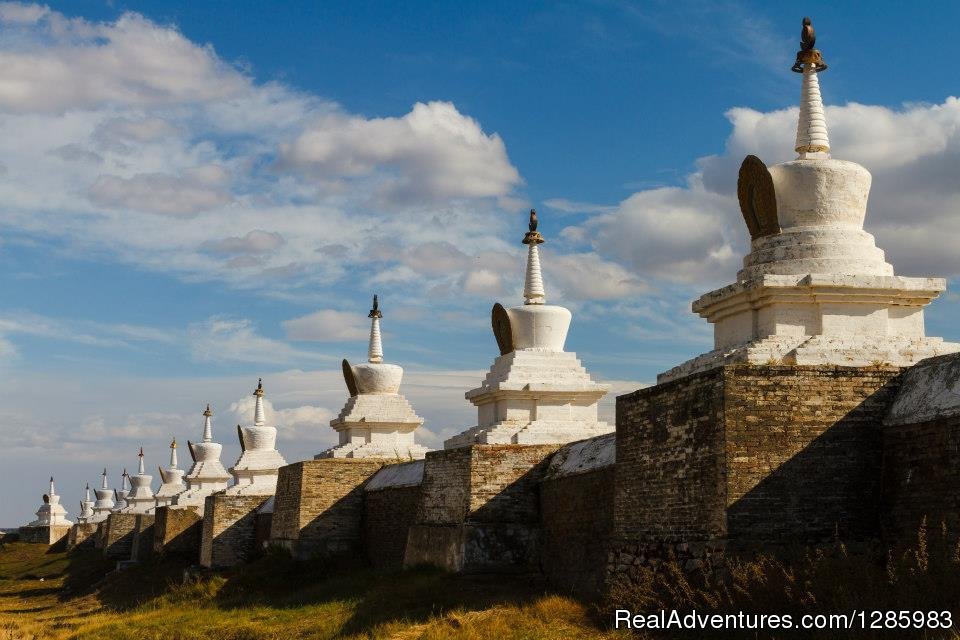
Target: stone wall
81, 534
391, 500
229, 529
748, 455
576, 503
318, 508
44, 535
479, 508
141, 547
177, 531
118, 535
921, 462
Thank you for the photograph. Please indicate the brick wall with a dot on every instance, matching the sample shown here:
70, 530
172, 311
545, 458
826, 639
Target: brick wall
577, 513
81, 534
318, 509
142, 543
389, 514
229, 529
118, 535
480, 508
45, 535
177, 530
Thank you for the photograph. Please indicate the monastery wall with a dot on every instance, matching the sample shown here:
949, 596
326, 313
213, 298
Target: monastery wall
391, 498
81, 534
141, 546
177, 530
576, 505
318, 509
921, 461
118, 535
229, 529
748, 455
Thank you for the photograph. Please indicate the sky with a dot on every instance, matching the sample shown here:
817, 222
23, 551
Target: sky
197, 194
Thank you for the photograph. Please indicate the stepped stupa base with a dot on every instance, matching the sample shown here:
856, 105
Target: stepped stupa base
818, 319
380, 450
529, 433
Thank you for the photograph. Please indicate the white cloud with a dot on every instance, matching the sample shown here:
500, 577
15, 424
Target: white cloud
327, 325
21, 12
305, 423
254, 242
200, 189
432, 153
221, 339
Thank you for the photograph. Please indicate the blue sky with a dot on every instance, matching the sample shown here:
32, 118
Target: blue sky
194, 194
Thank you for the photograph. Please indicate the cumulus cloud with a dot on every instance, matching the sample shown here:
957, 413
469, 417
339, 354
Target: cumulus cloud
326, 325
199, 189
81, 64
254, 242
221, 339
308, 423
432, 153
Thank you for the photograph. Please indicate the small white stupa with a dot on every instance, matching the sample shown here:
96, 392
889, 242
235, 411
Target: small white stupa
120, 495
140, 499
171, 480
377, 421
535, 392
51, 513
207, 473
814, 289
86, 507
104, 504
256, 468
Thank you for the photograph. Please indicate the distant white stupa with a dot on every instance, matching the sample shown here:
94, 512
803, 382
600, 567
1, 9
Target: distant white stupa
535, 392
377, 421
86, 507
256, 468
104, 503
207, 473
171, 480
51, 513
140, 499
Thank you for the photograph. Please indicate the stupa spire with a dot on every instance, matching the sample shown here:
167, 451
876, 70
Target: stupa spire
53, 490
812, 125
375, 351
259, 419
207, 425
87, 493
173, 454
533, 292
103, 479
142, 470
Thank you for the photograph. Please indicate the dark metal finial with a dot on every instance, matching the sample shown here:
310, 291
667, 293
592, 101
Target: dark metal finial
533, 220
375, 312
533, 236
807, 54
140, 455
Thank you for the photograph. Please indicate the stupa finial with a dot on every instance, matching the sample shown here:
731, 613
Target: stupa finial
87, 493
533, 292
141, 471
53, 491
173, 454
207, 424
259, 418
375, 351
103, 479
812, 125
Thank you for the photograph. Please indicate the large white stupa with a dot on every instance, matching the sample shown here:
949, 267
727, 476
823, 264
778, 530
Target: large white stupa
377, 421
815, 288
535, 392
104, 503
86, 507
51, 513
171, 480
140, 499
207, 473
256, 468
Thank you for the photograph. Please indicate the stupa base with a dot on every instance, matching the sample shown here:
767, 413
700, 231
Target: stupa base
530, 433
385, 450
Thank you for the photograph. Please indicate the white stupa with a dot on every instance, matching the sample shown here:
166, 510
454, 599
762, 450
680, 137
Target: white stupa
140, 499
171, 480
535, 392
377, 421
207, 473
86, 507
815, 288
256, 468
104, 503
120, 495
51, 513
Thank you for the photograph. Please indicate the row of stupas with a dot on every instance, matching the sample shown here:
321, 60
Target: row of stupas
814, 290
535, 393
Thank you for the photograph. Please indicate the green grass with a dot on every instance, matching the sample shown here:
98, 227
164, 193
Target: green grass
57, 595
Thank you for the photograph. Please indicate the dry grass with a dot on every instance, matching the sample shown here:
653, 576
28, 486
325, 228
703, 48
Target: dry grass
273, 598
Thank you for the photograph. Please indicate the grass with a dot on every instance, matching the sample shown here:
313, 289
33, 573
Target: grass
51, 594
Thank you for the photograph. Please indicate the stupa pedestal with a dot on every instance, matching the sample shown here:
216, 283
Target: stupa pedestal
535, 392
